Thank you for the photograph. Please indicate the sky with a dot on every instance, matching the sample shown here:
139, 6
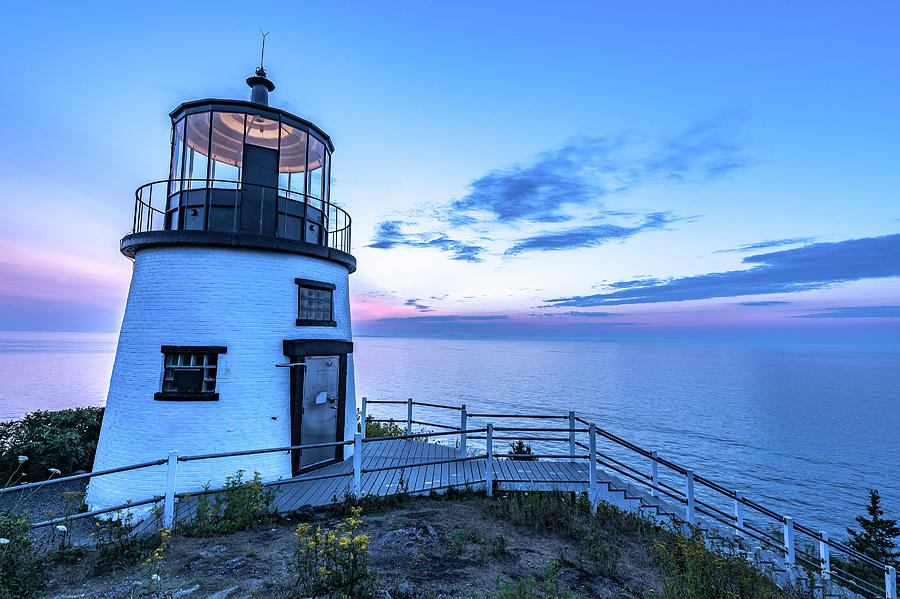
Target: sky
575, 169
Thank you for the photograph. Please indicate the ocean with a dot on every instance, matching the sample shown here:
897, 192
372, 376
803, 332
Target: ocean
805, 431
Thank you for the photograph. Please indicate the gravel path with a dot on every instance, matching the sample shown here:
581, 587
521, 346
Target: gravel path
52, 501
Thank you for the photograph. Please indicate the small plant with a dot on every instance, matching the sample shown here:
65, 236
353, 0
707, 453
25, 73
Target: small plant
241, 505
499, 545
154, 568
689, 567
61, 536
521, 450
460, 540
21, 567
334, 562
597, 556
548, 587
61, 548
114, 546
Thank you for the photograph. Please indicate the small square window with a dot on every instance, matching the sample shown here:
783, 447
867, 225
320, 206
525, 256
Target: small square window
315, 303
189, 372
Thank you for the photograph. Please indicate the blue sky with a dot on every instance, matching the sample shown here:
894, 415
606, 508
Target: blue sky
597, 168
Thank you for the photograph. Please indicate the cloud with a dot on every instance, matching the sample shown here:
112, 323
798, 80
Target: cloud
590, 236
763, 245
447, 318
767, 303
388, 234
813, 266
587, 169
635, 283
857, 312
532, 207
594, 314
420, 307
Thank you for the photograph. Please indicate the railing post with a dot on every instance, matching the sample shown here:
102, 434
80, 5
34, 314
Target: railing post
169, 505
362, 418
357, 465
825, 556
572, 435
739, 514
593, 495
789, 556
689, 491
489, 467
890, 582
654, 473
462, 431
409, 416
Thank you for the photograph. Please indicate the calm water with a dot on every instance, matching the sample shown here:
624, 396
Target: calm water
805, 431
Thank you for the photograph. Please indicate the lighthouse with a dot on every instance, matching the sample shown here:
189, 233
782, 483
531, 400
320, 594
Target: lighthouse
236, 333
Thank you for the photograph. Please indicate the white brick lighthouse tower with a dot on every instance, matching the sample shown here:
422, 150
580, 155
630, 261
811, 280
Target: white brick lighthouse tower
241, 265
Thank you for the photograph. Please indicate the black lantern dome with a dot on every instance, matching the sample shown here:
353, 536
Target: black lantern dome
253, 174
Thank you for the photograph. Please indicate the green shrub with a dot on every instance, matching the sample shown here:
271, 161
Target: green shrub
548, 587
383, 429
521, 450
241, 505
65, 440
21, 567
597, 556
688, 568
115, 547
553, 512
391, 428
334, 562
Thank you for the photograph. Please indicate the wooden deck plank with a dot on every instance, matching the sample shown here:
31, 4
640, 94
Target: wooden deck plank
392, 480
421, 472
295, 493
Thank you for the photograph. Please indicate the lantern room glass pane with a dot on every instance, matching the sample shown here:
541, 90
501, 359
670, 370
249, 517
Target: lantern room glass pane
292, 160
227, 148
327, 177
315, 167
262, 132
177, 157
196, 161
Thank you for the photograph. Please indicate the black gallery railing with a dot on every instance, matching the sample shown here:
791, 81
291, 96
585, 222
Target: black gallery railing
236, 207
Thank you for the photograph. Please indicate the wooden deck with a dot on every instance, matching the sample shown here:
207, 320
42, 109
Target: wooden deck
393, 466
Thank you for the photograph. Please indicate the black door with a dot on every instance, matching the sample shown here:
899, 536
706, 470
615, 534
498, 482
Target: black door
258, 201
318, 390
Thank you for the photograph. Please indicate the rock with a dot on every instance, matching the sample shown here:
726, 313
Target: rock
305, 513
405, 591
383, 594
427, 529
195, 564
185, 592
254, 586
234, 565
224, 594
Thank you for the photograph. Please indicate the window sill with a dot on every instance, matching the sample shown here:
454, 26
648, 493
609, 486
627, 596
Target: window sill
302, 322
172, 396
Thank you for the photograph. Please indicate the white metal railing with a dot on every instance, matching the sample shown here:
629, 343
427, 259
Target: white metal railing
749, 521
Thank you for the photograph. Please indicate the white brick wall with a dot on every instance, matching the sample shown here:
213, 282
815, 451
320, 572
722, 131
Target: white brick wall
243, 299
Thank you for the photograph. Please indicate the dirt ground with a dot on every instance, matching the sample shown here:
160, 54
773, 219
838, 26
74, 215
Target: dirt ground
425, 548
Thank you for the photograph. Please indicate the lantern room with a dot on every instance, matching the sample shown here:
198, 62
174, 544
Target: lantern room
243, 167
